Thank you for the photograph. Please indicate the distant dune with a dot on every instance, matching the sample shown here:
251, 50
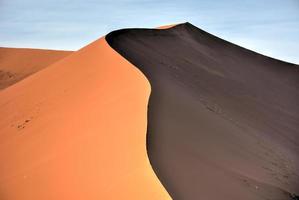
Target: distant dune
18, 63
222, 120
77, 130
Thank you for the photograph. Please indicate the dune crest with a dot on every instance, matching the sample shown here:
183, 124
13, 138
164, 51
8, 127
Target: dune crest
77, 130
167, 26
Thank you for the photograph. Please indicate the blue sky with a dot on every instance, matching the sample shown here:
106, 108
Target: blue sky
270, 27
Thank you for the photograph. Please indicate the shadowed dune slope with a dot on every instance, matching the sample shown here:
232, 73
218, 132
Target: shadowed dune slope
17, 63
223, 121
77, 130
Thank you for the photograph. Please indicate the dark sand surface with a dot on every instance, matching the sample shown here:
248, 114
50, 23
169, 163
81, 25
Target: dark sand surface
223, 121
18, 63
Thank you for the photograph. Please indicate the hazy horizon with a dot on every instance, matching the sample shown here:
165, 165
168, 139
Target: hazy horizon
268, 27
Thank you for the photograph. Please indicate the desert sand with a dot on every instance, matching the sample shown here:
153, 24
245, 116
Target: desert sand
18, 63
207, 118
77, 130
166, 26
222, 120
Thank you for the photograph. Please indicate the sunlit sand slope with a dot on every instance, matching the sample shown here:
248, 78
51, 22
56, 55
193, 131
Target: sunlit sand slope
77, 130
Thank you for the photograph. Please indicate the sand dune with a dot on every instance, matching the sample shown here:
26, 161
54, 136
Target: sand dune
16, 63
77, 130
222, 120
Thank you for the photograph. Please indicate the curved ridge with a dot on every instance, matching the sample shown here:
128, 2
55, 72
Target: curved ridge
221, 117
76, 130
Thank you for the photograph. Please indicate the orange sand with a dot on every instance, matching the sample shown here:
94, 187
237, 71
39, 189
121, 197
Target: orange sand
166, 26
18, 63
76, 130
